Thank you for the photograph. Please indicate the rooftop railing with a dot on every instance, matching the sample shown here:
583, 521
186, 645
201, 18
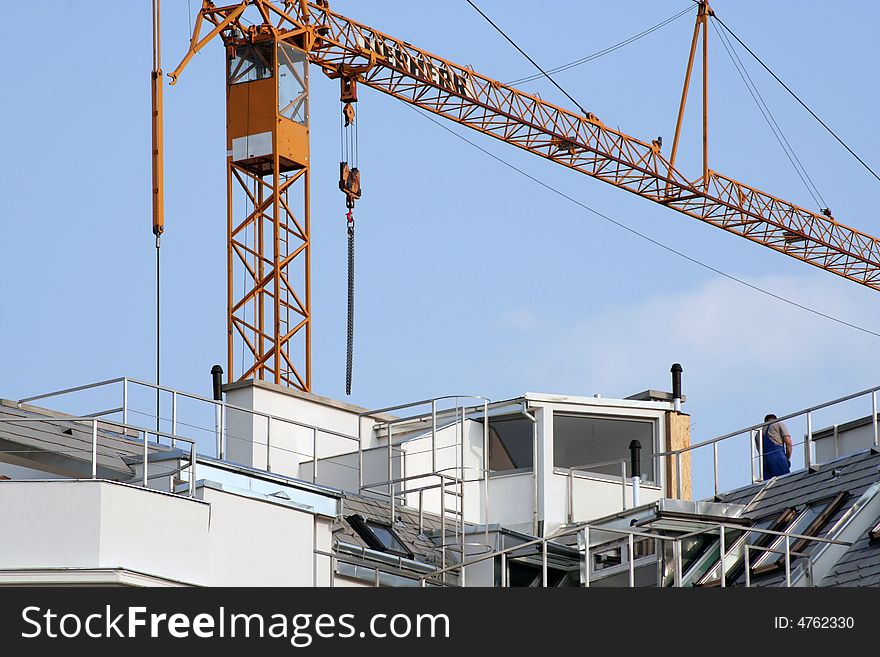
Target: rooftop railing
745, 444
585, 548
103, 433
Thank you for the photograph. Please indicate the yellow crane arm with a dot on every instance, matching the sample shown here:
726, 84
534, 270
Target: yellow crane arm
343, 47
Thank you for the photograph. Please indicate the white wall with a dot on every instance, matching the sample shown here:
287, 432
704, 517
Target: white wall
95, 524
850, 441
256, 543
221, 538
283, 445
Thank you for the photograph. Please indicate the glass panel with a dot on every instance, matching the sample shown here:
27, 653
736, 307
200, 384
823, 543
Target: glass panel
253, 62
388, 538
710, 558
293, 84
798, 526
582, 440
735, 552
510, 443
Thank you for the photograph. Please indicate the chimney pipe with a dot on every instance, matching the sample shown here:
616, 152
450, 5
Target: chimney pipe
676, 387
635, 464
635, 458
217, 378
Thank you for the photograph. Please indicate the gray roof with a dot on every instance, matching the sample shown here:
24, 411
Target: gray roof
65, 446
853, 474
860, 566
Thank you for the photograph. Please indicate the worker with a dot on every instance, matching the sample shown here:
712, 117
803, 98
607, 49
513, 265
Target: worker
776, 441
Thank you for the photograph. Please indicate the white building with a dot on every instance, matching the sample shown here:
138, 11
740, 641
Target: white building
271, 486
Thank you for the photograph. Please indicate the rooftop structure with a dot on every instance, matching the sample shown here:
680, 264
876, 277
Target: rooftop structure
276, 486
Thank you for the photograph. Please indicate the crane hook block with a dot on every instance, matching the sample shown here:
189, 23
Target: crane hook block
349, 183
348, 114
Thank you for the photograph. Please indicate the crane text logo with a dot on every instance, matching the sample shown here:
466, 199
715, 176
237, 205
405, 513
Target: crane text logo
394, 55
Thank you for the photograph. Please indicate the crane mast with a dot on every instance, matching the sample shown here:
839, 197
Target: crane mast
344, 48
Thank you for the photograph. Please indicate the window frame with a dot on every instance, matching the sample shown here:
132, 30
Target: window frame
362, 526
732, 573
653, 422
768, 562
508, 417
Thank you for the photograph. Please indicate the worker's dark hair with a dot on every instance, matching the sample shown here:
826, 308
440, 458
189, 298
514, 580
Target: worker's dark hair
769, 417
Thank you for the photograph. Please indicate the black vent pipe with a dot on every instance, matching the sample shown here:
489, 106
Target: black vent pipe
676, 386
217, 378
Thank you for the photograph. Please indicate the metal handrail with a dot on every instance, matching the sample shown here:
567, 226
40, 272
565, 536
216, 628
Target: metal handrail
94, 423
579, 468
631, 534
751, 431
421, 403
761, 425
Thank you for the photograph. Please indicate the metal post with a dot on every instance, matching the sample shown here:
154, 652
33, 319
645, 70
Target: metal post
485, 472
269, 443
94, 449
125, 401
715, 464
433, 435
504, 570
632, 565
146, 456
676, 557
462, 583
174, 418
808, 445
760, 442
535, 511
623, 482
360, 457
571, 496
544, 564
722, 553
442, 523
459, 530
748, 565
787, 561
421, 512
752, 454
333, 572
678, 474
874, 418
377, 577
217, 414
585, 566
223, 431
192, 469
836, 441
315, 456
391, 477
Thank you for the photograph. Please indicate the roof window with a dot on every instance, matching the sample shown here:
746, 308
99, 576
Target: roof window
379, 536
809, 522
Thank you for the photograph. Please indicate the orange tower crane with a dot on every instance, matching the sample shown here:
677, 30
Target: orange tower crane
269, 47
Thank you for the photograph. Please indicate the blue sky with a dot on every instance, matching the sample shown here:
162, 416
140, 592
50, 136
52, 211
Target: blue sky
471, 278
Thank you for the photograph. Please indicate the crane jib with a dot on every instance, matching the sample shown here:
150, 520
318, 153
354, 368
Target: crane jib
391, 54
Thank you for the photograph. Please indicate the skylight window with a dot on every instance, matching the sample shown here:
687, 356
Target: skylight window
809, 522
735, 552
379, 536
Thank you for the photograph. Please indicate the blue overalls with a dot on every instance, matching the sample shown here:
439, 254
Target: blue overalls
775, 460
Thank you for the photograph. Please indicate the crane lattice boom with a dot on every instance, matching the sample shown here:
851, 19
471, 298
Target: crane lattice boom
344, 48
